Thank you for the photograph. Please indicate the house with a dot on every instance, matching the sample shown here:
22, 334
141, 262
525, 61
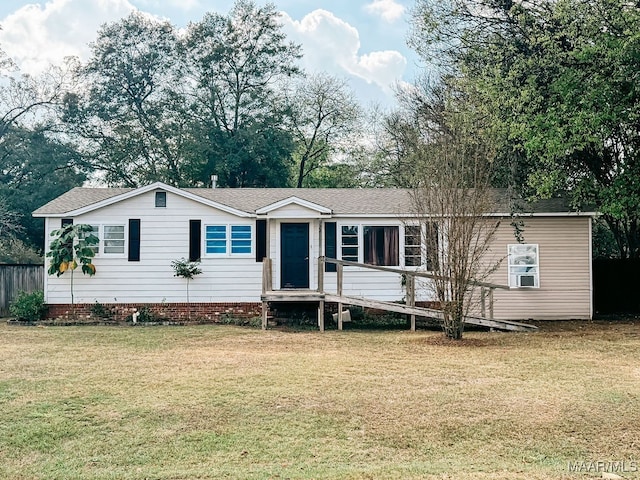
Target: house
141, 230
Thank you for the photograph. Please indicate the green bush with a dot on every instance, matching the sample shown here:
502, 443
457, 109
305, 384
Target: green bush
29, 307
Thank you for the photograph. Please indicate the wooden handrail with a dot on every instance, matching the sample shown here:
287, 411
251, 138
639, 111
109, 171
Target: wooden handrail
407, 272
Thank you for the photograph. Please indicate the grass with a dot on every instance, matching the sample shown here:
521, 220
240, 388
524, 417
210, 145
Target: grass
215, 402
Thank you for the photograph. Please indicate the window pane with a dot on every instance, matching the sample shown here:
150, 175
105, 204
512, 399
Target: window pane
161, 199
113, 238
412, 248
216, 239
350, 230
350, 243
95, 231
241, 239
381, 245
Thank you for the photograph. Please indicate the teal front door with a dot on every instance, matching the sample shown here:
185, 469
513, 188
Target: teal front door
294, 254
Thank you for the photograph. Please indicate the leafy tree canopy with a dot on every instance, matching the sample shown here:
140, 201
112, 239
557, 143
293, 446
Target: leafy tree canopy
561, 85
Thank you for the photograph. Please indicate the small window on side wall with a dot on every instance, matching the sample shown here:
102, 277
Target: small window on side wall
523, 266
161, 199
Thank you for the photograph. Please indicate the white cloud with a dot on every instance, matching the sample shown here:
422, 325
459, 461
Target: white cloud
388, 10
185, 5
330, 44
35, 36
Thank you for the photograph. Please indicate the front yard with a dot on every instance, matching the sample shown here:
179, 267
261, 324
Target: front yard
211, 402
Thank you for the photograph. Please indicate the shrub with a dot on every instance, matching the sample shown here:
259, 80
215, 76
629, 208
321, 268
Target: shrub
101, 311
29, 307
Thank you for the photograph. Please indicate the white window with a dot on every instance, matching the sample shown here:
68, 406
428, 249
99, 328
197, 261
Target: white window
112, 239
349, 242
421, 245
228, 239
523, 265
412, 246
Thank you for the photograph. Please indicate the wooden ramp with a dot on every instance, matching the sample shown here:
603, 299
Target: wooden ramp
321, 297
427, 312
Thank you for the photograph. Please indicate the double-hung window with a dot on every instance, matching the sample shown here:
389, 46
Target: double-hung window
349, 245
228, 239
421, 245
412, 245
111, 239
523, 265
241, 239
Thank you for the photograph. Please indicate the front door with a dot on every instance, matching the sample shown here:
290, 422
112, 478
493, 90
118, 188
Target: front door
294, 253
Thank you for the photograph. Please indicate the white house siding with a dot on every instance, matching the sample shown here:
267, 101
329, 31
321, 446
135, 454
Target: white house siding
565, 270
164, 237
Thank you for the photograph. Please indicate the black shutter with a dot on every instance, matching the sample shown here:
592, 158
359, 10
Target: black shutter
66, 221
195, 237
261, 240
134, 239
330, 247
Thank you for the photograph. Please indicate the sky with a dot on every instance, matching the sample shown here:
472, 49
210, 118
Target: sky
362, 41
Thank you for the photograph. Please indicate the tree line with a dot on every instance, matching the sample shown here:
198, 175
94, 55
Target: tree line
546, 91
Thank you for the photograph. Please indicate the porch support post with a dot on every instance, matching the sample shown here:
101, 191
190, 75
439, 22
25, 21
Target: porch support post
266, 287
491, 303
321, 292
411, 298
321, 315
265, 309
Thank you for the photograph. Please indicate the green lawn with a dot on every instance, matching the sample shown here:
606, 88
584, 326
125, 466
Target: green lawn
212, 402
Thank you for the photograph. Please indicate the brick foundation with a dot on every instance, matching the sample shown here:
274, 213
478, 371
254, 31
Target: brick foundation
156, 312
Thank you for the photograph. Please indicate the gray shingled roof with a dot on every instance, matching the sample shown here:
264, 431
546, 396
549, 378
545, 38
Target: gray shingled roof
341, 201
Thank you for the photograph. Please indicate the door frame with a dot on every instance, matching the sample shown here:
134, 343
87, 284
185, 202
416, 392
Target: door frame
308, 255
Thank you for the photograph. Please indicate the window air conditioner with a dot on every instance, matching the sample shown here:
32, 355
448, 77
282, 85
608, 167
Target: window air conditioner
526, 280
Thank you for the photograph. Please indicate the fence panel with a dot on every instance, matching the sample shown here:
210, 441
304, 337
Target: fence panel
16, 278
616, 288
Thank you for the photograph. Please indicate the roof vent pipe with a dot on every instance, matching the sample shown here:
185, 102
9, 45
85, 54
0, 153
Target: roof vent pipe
214, 181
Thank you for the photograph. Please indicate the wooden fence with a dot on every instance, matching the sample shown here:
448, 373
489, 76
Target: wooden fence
17, 278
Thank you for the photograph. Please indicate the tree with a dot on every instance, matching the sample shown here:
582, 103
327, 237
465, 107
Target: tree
72, 247
128, 118
236, 62
560, 78
157, 105
187, 270
325, 116
12, 249
440, 137
35, 167
25, 100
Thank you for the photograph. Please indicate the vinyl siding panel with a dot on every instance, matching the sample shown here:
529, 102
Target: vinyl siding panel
564, 252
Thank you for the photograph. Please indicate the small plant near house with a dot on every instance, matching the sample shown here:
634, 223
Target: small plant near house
28, 307
187, 270
72, 248
101, 311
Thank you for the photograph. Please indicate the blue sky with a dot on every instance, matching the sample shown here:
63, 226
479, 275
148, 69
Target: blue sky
363, 41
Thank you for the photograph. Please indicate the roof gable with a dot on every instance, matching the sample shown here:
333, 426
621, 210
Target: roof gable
272, 209
83, 200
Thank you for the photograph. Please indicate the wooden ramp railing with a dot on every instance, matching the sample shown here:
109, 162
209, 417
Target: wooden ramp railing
409, 308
